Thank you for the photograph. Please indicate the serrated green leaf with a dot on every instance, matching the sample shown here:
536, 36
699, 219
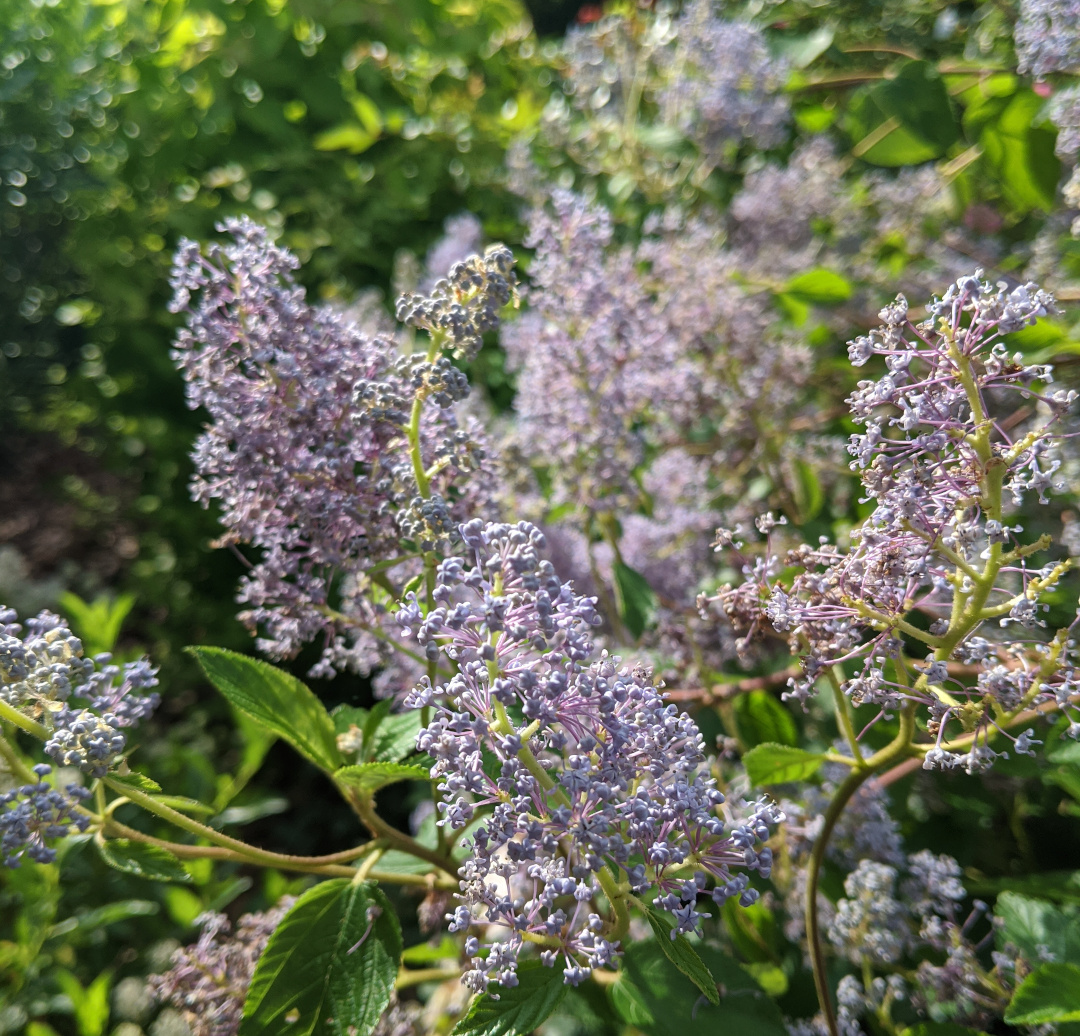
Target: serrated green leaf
138, 781
1051, 993
679, 951
634, 598
275, 700
370, 777
395, 737
147, 861
1036, 926
762, 719
520, 1009
654, 997
771, 763
819, 287
329, 967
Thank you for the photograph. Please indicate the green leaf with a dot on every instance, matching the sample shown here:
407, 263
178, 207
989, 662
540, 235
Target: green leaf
147, 861
520, 1009
395, 737
247, 814
347, 716
809, 495
183, 905
138, 781
370, 777
653, 997
97, 623
1035, 926
1051, 993
772, 978
761, 718
634, 598
367, 111
425, 953
801, 51
275, 700
1019, 152
185, 805
771, 763
111, 913
329, 967
90, 1003
798, 312
905, 120
819, 287
679, 951
349, 136
1059, 886
1040, 335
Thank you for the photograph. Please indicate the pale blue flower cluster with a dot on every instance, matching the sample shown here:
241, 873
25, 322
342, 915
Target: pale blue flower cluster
33, 815
43, 670
583, 765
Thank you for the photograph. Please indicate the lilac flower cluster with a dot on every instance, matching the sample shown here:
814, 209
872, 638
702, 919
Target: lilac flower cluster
209, 979
1047, 36
320, 449
936, 463
592, 355
44, 669
586, 768
724, 87
34, 814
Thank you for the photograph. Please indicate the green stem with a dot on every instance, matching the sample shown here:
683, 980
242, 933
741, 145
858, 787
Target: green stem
412, 431
891, 753
249, 853
843, 713
408, 978
14, 761
364, 805
113, 828
12, 715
